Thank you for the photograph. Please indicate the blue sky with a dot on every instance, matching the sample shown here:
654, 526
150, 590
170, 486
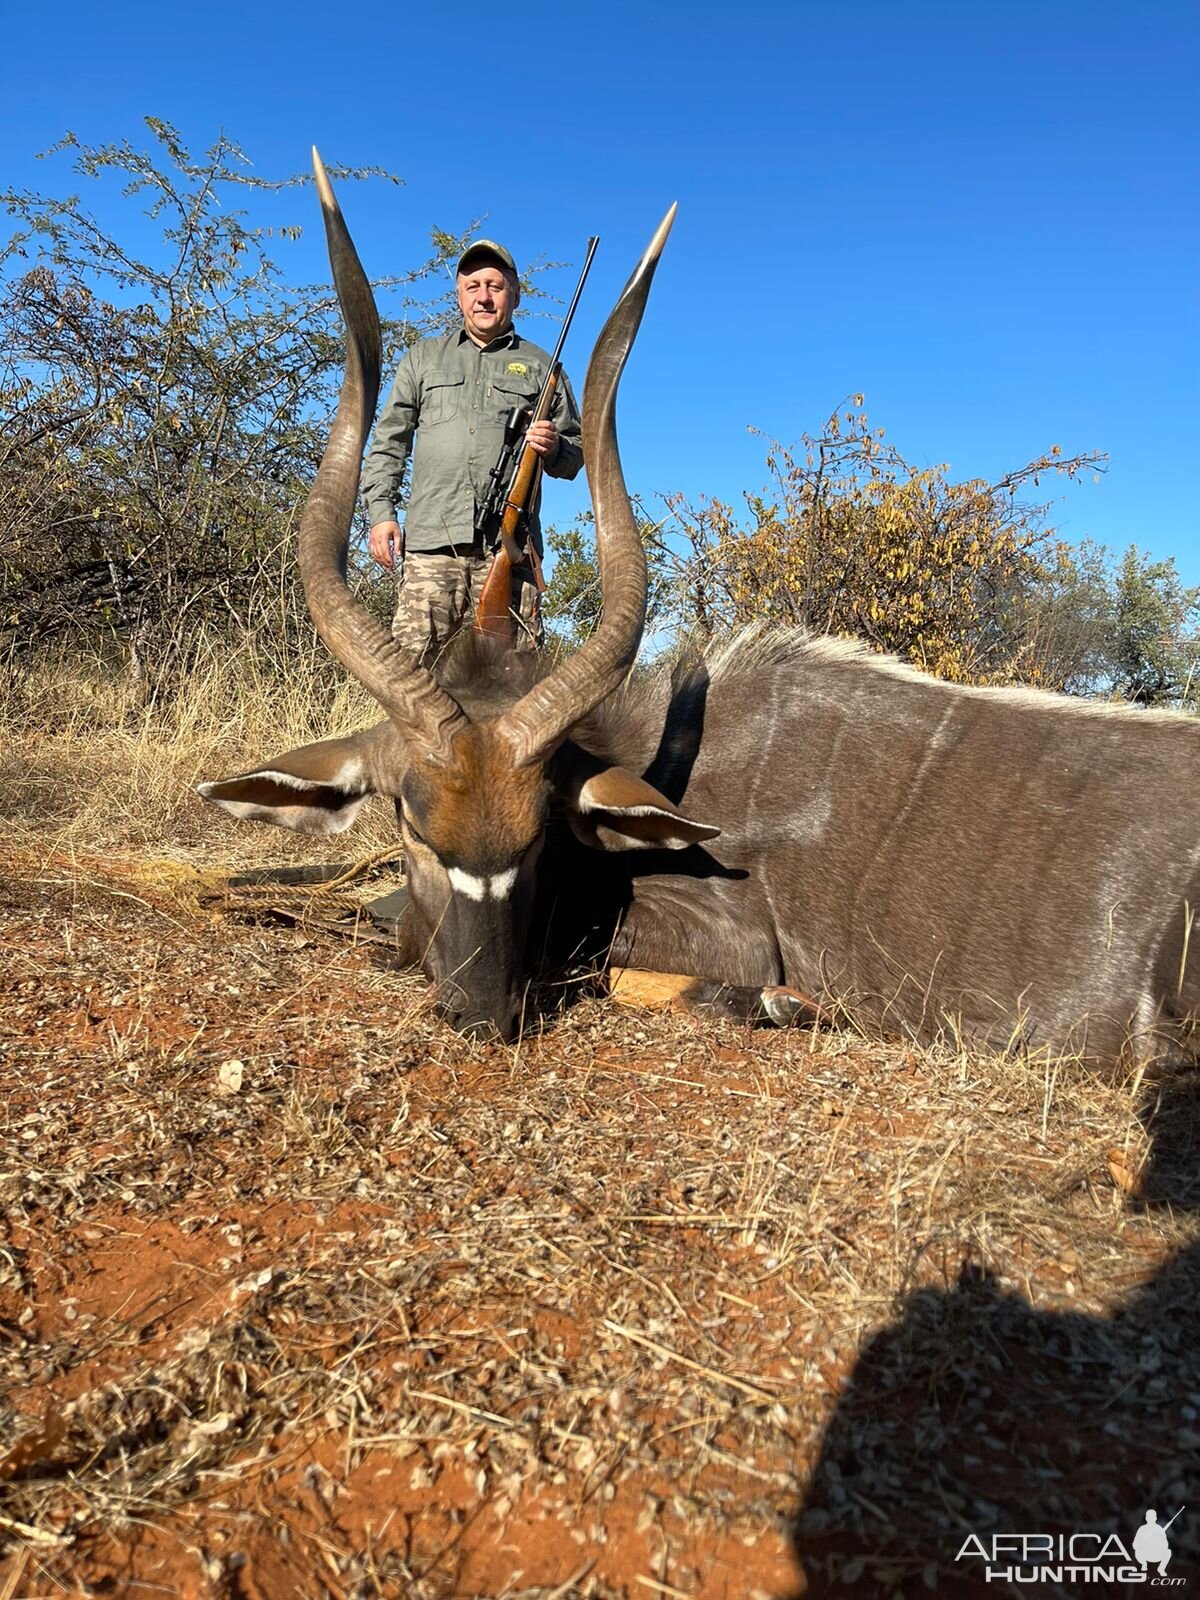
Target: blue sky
983, 216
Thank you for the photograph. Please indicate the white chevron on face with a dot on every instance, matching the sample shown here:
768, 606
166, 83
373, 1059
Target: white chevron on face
496, 887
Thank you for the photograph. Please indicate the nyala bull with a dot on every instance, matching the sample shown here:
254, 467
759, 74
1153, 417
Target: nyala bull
789, 817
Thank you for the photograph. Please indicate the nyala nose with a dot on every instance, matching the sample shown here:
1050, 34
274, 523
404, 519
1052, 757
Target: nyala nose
472, 1019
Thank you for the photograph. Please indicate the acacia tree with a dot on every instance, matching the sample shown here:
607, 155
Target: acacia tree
1155, 648
851, 539
166, 406
1123, 626
573, 600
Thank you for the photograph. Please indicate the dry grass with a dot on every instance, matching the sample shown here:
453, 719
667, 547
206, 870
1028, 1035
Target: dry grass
102, 762
303, 1295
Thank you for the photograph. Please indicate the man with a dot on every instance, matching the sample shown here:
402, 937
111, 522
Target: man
1150, 1544
452, 394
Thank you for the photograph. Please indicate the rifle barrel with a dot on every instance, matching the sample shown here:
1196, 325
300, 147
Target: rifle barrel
566, 327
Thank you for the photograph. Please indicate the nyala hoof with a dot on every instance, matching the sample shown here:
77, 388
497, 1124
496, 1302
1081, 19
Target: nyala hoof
788, 1008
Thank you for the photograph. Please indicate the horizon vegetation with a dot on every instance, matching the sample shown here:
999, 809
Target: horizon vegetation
167, 411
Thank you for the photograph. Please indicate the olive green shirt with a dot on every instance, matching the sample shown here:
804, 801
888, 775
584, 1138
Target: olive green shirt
453, 398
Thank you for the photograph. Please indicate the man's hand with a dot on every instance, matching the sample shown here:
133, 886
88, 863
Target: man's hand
386, 542
542, 437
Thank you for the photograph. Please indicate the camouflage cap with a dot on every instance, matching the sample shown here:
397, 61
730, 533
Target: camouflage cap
486, 250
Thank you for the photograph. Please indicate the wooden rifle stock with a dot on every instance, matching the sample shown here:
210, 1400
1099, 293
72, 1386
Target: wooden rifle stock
494, 611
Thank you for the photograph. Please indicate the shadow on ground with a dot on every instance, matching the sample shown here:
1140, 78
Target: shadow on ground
976, 1415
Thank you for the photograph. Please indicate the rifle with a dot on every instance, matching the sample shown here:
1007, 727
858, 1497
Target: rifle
503, 517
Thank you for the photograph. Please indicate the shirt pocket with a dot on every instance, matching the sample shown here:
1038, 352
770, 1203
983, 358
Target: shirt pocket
441, 399
514, 390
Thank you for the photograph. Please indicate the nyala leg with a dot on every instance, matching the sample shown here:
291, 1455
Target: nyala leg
785, 1007
667, 991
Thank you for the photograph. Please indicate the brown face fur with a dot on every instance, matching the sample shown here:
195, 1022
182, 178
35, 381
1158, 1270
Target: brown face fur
477, 811
472, 831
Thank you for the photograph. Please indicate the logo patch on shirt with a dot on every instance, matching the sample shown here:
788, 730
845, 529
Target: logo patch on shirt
517, 368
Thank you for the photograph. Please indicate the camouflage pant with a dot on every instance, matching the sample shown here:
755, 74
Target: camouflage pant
437, 595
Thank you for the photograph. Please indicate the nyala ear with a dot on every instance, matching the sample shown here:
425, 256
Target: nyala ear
319, 788
611, 809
